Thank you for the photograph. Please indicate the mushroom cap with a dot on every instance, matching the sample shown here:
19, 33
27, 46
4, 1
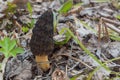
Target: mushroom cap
42, 42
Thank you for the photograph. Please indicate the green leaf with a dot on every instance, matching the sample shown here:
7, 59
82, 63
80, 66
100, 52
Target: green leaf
29, 7
32, 23
1, 43
25, 29
115, 37
11, 45
118, 17
4, 52
67, 35
92, 73
55, 22
11, 8
16, 51
9, 48
5, 43
66, 7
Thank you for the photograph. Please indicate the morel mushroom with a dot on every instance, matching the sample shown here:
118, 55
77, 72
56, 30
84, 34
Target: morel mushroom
41, 42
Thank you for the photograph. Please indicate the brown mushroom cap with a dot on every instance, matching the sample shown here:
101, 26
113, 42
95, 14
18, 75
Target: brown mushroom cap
42, 42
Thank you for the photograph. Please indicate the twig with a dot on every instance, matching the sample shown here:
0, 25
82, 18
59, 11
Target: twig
99, 32
106, 31
74, 66
110, 21
113, 28
75, 59
18, 25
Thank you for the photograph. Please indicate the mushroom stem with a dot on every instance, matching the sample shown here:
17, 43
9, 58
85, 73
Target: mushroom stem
42, 62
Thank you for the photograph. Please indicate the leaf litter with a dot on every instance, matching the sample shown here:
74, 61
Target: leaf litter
68, 60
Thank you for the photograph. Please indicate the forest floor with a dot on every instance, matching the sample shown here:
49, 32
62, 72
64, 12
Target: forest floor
87, 49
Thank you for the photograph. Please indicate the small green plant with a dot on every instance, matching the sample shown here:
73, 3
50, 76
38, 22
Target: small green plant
62, 10
28, 26
25, 29
31, 23
67, 37
66, 7
11, 9
29, 8
9, 47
